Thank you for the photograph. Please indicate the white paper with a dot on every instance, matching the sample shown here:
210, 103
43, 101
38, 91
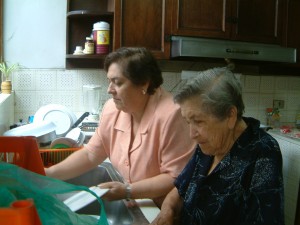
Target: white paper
84, 198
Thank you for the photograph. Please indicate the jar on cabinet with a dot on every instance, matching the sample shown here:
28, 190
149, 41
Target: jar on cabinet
89, 46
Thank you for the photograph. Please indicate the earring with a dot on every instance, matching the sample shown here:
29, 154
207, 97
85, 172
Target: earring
144, 92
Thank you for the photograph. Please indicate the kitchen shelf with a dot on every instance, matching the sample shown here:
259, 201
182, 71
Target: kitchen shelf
85, 62
81, 16
92, 56
88, 13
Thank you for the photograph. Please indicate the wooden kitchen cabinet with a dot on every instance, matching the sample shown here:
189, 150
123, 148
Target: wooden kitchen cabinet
293, 31
81, 15
145, 23
201, 18
242, 20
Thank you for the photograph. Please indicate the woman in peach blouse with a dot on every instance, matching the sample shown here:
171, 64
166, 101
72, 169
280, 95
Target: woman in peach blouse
141, 131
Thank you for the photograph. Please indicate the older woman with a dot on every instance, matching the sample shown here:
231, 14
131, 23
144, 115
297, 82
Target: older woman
141, 131
235, 174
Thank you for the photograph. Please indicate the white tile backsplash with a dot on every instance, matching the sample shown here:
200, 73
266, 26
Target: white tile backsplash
251, 83
46, 97
24, 80
26, 100
6, 111
46, 80
171, 80
67, 80
265, 101
267, 84
294, 84
35, 88
281, 84
251, 100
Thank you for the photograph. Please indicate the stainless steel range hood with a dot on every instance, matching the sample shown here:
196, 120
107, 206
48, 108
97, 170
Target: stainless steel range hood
211, 48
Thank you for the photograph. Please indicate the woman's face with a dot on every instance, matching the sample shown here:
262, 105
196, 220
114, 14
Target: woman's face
212, 135
127, 96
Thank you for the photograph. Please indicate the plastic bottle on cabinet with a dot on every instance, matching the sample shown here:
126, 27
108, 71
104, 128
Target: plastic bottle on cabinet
101, 37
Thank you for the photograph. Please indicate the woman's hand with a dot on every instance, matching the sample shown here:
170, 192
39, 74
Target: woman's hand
165, 217
117, 190
170, 210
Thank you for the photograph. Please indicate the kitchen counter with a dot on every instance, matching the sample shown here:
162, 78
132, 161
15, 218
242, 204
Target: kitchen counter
290, 149
290, 137
148, 208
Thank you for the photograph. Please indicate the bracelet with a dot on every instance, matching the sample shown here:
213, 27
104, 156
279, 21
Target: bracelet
128, 192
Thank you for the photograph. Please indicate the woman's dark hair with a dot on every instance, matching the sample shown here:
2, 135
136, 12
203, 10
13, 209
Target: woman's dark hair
138, 65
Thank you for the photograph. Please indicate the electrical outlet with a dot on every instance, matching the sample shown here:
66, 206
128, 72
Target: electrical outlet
278, 104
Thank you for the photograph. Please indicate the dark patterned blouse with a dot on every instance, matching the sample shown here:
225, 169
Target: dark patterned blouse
246, 187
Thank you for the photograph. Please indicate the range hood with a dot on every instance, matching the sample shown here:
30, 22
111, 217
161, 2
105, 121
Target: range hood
211, 48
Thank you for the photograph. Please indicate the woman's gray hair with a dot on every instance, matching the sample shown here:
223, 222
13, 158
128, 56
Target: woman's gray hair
219, 90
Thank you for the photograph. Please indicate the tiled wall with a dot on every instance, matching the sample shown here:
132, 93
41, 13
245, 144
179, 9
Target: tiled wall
35, 88
6, 112
260, 91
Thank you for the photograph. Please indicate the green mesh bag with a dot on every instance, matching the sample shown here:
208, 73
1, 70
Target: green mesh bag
18, 184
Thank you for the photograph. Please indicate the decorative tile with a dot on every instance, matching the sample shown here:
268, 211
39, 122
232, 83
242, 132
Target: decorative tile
251, 113
267, 84
242, 81
281, 85
265, 101
171, 80
86, 77
261, 116
45, 98
24, 80
292, 102
291, 117
67, 80
46, 80
25, 100
251, 83
294, 83
251, 100
70, 99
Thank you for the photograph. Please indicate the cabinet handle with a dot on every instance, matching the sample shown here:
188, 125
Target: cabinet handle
167, 38
242, 51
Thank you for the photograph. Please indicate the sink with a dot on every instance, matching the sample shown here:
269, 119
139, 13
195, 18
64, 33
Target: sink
117, 212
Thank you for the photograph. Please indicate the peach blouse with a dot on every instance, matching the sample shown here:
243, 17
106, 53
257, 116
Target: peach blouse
161, 145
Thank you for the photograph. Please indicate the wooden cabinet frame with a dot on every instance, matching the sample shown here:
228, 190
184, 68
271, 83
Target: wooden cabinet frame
158, 28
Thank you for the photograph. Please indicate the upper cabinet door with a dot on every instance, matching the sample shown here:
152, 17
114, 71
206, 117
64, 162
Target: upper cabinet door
205, 18
293, 31
258, 21
144, 23
243, 20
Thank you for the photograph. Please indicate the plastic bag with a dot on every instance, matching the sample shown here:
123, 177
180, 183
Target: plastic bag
17, 184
